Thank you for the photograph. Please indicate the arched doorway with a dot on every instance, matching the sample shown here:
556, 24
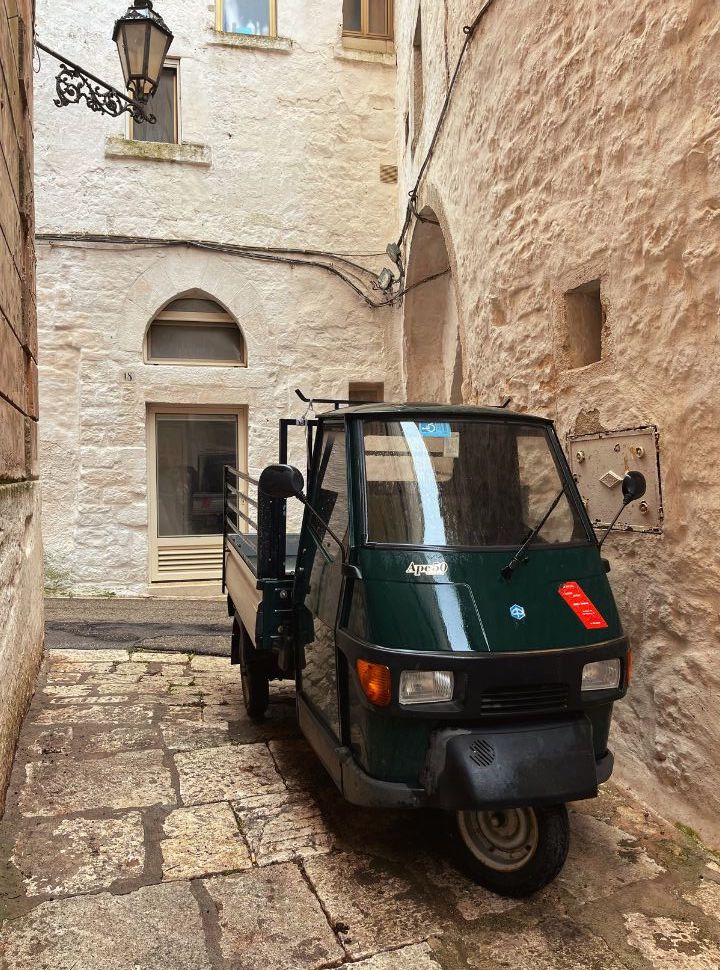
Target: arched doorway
189, 444
432, 348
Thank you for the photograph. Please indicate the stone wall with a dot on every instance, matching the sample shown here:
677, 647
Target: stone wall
283, 143
583, 142
21, 615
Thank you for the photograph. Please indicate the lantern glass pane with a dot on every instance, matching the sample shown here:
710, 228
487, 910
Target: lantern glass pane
122, 51
135, 34
158, 48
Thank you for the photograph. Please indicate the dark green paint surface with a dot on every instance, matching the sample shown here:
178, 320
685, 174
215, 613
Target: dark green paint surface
468, 609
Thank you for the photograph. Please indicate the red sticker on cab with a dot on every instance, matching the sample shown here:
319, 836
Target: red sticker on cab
581, 605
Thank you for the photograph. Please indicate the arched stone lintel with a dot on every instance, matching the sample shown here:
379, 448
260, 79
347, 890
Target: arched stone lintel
182, 272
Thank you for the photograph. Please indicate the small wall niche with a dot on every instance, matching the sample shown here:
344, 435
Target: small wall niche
584, 323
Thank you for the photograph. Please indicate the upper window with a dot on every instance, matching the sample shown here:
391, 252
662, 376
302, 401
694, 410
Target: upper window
368, 18
164, 105
195, 331
254, 17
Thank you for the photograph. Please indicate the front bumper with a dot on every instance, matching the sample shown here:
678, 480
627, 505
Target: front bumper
497, 766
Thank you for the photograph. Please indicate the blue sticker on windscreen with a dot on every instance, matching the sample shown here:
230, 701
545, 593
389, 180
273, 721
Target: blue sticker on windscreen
435, 429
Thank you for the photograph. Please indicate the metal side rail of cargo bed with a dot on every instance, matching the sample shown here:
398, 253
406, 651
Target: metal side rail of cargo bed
258, 561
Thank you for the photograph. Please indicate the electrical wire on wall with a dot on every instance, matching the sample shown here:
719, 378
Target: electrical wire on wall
411, 212
362, 280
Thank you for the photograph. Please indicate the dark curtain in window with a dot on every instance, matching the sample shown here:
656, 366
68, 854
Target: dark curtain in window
163, 105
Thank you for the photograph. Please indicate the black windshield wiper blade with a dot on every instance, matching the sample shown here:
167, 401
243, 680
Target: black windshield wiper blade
519, 558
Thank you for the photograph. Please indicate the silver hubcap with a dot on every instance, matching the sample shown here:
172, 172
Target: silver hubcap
504, 840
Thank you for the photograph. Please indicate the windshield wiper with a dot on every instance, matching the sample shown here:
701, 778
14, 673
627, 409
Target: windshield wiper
519, 558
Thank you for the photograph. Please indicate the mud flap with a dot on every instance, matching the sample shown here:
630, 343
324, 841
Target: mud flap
542, 763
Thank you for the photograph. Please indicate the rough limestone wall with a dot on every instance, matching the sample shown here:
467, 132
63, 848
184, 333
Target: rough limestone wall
584, 142
21, 605
294, 139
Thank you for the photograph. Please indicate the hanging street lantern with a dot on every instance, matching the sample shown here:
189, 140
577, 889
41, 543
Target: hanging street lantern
143, 40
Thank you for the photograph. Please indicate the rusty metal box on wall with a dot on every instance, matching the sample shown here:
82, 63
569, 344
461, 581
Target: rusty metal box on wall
599, 462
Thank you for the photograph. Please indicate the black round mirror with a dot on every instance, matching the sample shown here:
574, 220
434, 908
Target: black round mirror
633, 487
281, 481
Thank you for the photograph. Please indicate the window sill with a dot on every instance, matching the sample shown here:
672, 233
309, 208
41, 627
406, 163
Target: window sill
186, 154
254, 42
343, 53
359, 42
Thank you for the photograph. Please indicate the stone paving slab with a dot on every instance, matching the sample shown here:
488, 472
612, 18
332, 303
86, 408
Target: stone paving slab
707, 898
159, 657
374, 904
203, 841
84, 667
226, 772
134, 779
417, 957
270, 919
67, 690
554, 946
283, 827
677, 944
154, 928
84, 713
64, 656
603, 859
90, 740
299, 766
69, 856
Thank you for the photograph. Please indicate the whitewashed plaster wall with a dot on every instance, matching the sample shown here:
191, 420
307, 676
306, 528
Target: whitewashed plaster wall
295, 136
295, 139
584, 141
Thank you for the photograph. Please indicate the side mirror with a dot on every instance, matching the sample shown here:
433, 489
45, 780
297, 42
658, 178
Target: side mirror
633, 487
281, 481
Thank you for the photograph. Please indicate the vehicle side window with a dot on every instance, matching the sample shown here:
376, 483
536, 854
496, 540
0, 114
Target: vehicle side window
331, 503
332, 498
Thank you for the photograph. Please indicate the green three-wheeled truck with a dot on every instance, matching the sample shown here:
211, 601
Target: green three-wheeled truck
447, 618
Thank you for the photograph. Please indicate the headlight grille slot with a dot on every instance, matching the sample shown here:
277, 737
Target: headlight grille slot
533, 699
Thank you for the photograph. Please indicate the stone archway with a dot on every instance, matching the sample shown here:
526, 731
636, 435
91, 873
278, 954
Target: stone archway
431, 347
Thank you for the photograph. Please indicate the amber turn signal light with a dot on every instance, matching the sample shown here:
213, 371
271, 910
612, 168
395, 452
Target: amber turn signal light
375, 681
628, 667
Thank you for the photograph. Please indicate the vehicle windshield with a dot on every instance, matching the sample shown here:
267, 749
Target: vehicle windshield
464, 483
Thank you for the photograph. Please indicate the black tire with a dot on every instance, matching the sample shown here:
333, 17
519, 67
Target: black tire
526, 855
255, 681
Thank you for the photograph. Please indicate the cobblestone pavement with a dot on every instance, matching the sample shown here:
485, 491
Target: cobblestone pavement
151, 826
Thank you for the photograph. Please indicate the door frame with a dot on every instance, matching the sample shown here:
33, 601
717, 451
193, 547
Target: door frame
209, 543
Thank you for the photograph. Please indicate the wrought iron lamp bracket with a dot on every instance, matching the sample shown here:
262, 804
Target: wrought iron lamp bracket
74, 84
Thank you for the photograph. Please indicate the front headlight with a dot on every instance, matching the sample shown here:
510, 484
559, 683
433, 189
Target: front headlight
601, 675
426, 686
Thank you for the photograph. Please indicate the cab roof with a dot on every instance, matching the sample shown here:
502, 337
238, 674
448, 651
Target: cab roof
449, 411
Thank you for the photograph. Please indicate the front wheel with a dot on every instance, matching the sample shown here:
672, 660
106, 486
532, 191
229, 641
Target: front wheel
516, 851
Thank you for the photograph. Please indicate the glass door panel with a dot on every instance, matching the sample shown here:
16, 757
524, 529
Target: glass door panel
190, 451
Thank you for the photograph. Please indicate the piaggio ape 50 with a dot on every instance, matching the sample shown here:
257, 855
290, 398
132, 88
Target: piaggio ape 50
447, 618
